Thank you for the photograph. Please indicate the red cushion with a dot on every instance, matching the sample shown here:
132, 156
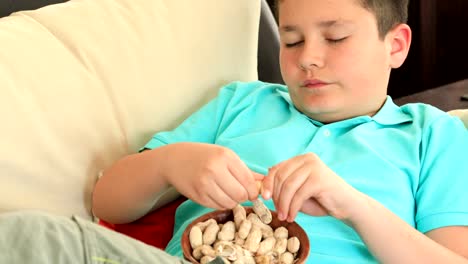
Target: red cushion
155, 228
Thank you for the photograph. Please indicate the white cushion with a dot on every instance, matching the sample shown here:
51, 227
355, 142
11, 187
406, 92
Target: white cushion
86, 82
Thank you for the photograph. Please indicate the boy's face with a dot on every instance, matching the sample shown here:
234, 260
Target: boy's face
332, 59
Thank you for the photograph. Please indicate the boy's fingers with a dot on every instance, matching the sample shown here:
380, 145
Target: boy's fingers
267, 186
244, 176
258, 182
258, 176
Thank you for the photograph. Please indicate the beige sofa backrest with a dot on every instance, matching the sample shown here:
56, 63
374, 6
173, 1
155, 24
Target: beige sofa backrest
462, 114
88, 81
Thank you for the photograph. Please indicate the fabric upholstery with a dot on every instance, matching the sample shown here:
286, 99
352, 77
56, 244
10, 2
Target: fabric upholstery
86, 82
268, 47
462, 114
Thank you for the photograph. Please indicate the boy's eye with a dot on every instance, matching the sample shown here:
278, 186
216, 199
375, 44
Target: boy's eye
290, 45
335, 41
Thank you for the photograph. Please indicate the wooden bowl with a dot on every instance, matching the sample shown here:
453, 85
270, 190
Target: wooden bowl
227, 215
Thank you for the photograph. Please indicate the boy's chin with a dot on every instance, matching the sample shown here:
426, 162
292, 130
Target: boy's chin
324, 114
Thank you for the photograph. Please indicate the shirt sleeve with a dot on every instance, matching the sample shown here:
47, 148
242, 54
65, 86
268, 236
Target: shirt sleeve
442, 195
201, 126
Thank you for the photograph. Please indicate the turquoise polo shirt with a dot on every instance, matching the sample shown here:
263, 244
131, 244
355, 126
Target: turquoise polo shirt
412, 159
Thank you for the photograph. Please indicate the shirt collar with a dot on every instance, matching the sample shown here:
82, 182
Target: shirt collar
389, 114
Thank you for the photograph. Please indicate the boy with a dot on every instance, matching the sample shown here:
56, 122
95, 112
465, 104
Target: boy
368, 180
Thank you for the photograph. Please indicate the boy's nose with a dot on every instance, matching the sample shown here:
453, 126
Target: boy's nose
311, 57
308, 67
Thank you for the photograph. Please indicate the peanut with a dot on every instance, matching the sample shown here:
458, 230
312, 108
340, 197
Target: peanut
293, 244
227, 232
245, 260
221, 244
242, 252
227, 250
238, 240
266, 246
280, 246
239, 215
259, 186
245, 228
262, 211
286, 258
203, 225
197, 252
195, 237
206, 259
206, 250
252, 217
264, 259
253, 239
210, 234
281, 232
267, 231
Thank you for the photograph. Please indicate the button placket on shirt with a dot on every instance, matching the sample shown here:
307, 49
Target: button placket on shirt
320, 141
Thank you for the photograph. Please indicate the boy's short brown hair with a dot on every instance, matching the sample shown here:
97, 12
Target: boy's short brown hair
388, 13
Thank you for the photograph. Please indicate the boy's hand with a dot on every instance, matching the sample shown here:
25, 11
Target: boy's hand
210, 175
304, 183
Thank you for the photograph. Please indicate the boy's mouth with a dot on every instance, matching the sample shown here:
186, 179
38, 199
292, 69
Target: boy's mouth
314, 83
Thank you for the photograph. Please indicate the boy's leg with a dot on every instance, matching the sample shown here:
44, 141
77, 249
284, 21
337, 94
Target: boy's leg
39, 238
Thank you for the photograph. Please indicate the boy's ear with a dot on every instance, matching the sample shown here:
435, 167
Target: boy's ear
399, 40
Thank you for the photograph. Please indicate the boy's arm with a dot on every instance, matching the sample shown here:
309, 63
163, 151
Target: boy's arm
129, 189
441, 216
453, 237
210, 175
391, 240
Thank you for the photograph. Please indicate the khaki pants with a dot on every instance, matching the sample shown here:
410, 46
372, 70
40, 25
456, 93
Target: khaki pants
40, 238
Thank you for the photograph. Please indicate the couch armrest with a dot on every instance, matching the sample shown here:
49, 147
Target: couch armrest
462, 114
